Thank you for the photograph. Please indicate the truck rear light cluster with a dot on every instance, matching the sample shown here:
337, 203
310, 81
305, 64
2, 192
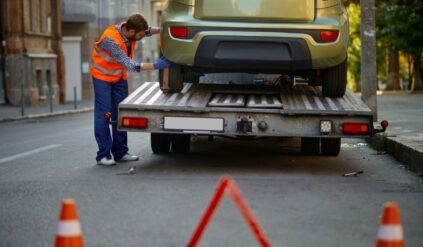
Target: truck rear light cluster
329, 35
179, 32
355, 128
135, 122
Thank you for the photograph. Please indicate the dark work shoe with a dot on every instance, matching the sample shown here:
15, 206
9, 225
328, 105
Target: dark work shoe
129, 157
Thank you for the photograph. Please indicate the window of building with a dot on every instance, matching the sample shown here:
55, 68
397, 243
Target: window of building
49, 84
40, 84
38, 15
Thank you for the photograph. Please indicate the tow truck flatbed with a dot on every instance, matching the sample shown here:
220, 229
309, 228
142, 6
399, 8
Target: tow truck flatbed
244, 110
284, 100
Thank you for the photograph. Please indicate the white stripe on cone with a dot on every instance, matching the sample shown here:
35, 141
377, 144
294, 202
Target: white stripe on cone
69, 228
390, 233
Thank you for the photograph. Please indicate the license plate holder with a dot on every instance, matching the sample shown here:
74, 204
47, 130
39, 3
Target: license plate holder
193, 124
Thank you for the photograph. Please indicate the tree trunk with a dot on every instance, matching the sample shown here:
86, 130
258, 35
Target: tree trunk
357, 83
417, 73
393, 71
410, 73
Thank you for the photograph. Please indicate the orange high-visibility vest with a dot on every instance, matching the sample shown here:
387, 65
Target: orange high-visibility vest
103, 66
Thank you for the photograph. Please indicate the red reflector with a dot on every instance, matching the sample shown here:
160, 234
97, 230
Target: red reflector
355, 128
107, 115
179, 32
384, 124
135, 122
328, 36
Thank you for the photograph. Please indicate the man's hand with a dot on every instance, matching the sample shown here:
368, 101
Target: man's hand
152, 30
162, 63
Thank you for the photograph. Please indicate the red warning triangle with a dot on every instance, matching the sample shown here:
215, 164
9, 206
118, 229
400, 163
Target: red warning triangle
227, 184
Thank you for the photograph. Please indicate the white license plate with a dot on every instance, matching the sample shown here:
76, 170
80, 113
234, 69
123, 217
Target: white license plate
193, 124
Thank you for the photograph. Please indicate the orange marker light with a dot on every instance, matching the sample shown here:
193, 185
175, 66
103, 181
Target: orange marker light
133, 122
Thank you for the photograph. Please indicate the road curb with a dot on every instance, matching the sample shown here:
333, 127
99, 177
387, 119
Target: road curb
407, 150
45, 115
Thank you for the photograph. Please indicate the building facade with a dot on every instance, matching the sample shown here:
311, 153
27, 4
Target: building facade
46, 46
32, 60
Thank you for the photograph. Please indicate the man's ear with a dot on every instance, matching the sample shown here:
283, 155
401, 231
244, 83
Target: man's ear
131, 32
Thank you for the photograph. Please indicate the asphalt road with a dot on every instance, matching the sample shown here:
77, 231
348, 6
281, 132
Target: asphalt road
299, 201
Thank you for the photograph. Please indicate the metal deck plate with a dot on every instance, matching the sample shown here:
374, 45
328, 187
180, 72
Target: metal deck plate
300, 99
263, 101
223, 100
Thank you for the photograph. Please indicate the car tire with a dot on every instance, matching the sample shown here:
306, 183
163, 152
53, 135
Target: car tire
176, 77
181, 143
335, 81
310, 145
160, 143
190, 76
330, 146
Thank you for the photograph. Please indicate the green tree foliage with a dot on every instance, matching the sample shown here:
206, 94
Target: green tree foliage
400, 26
348, 2
354, 47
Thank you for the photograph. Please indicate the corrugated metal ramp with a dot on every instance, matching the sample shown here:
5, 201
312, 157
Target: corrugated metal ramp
217, 97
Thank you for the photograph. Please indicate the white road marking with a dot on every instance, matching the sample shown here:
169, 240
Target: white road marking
24, 154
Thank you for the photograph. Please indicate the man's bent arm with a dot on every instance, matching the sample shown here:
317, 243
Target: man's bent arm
119, 55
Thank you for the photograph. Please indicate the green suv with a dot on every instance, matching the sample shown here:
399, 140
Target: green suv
306, 38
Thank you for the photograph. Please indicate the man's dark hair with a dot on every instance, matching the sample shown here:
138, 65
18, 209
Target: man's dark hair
136, 22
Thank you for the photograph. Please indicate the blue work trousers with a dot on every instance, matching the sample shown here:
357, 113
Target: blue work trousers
107, 98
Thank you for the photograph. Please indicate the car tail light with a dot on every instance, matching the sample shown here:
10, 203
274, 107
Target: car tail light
355, 128
135, 122
179, 32
329, 36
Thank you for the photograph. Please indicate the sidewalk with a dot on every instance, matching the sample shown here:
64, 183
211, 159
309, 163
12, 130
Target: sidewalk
12, 113
404, 136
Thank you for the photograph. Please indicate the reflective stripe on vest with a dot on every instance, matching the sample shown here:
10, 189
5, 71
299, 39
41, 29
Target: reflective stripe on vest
106, 71
103, 55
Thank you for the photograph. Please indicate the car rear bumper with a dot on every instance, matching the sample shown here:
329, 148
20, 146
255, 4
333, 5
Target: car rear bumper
202, 50
190, 51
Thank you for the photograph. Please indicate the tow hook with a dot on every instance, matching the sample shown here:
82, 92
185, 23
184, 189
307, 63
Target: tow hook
244, 124
382, 128
108, 117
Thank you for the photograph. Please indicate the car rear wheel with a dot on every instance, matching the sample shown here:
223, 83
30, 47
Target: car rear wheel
160, 143
190, 76
175, 79
335, 81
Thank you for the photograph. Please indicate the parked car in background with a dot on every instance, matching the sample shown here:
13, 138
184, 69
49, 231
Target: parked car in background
307, 38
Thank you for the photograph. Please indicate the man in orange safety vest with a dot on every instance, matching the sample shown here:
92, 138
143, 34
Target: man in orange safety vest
111, 60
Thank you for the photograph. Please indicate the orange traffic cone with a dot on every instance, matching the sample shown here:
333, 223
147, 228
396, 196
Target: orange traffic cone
69, 232
390, 231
